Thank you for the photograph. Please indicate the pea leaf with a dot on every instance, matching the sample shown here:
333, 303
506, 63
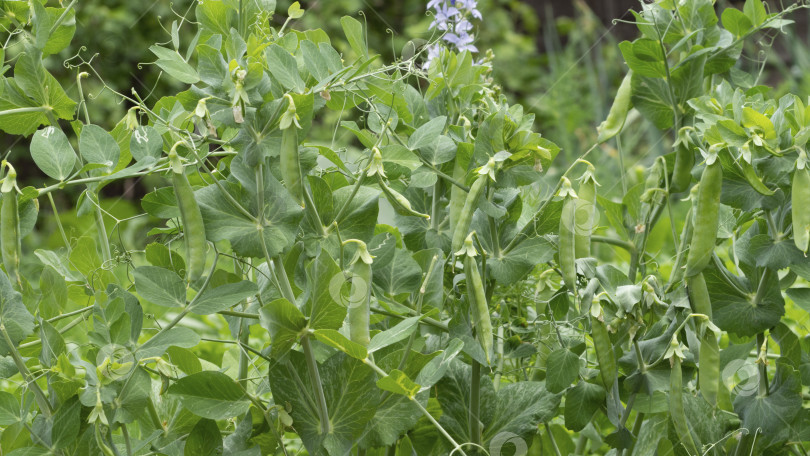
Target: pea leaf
14, 316
284, 68
351, 399
204, 439
562, 369
354, 34
391, 336
9, 409
160, 286
337, 340
398, 382
645, 57
734, 312
284, 322
427, 134
581, 402
174, 337
326, 279
223, 297
171, 62
53, 153
211, 394
98, 146
145, 142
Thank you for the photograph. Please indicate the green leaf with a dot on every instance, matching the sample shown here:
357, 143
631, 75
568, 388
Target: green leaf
427, 134
66, 423
397, 382
98, 146
518, 262
391, 336
581, 402
18, 322
295, 11
223, 297
736, 22
337, 340
53, 344
772, 414
327, 279
351, 399
37, 83
562, 369
172, 63
162, 256
223, 221
354, 34
53, 153
211, 394
284, 322
204, 439
159, 343
395, 270
645, 57
184, 359
651, 97
735, 313
755, 11
162, 203
9, 409
284, 68
160, 286
437, 367
145, 142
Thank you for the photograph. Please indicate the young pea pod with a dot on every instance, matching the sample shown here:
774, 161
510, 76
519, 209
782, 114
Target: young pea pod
462, 229
10, 226
677, 273
709, 367
190, 215
398, 201
359, 309
585, 214
676, 410
800, 198
699, 295
458, 195
614, 122
706, 219
682, 172
290, 161
477, 298
567, 242
604, 352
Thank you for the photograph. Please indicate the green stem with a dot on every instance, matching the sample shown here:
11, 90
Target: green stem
499, 353
763, 368
102, 234
552, 440
62, 330
59, 223
236, 313
315, 379
9, 112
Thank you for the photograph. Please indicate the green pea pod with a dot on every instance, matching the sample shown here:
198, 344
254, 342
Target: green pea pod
682, 172
800, 197
478, 300
686, 238
585, 215
604, 352
359, 309
398, 201
676, 410
291, 164
567, 242
10, 235
458, 195
706, 219
751, 176
709, 367
462, 229
699, 295
614, 122
190, 215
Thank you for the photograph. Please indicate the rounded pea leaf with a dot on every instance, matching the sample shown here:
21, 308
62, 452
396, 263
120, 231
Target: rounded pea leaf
204, 439
223, 297
52, 152
160, 286
98, 146
145, 143
9, 409
563, 368
211, 394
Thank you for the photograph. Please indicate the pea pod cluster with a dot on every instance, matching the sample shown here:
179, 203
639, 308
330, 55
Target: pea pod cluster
190, 215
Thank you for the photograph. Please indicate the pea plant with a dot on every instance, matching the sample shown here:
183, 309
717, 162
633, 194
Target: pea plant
344, 256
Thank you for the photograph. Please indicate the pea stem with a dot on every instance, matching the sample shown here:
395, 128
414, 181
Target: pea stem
315, 379
475, 403
59, 223
762, 388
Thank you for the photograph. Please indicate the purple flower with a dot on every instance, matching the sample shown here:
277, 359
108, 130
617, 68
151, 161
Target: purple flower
451, 17
444, 14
